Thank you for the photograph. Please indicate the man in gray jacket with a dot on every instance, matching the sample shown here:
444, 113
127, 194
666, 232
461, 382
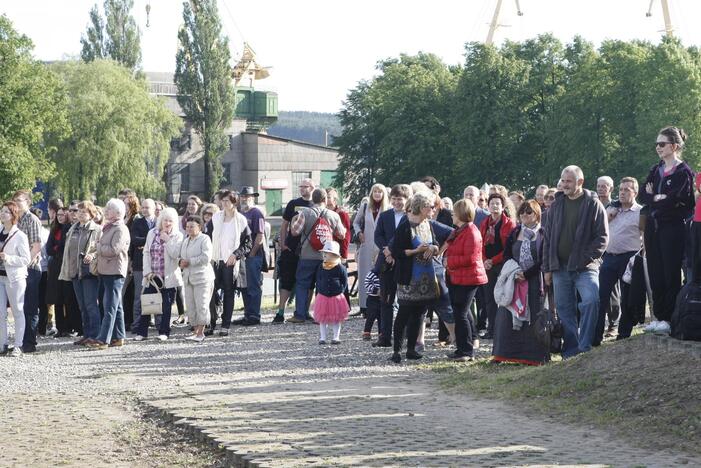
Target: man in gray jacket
576, 235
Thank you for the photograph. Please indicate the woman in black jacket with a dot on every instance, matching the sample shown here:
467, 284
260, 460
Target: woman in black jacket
669, 194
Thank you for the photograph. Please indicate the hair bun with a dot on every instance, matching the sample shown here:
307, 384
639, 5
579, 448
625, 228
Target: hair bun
682, 133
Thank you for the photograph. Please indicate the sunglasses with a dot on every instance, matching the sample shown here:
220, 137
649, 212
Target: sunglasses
527, 212
73, 210
662, 144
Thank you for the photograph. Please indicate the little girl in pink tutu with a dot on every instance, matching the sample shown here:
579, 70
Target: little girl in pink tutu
330, 306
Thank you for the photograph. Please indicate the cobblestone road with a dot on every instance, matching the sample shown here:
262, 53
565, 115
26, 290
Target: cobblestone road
273, 397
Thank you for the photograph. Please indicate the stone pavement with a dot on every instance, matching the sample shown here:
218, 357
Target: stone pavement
271, 396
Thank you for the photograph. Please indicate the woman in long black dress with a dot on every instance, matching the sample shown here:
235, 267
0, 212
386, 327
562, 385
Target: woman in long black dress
525, 246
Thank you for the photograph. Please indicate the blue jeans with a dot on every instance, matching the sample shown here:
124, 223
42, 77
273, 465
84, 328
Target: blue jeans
112, 326
31, 308
86, 293
163, 320
611, 272
254, 287
306, 275
442, 305
578, 339
137, 277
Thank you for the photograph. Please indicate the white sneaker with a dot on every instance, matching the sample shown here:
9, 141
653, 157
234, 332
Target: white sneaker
196, 338
16, 352
139, 338
162, 337
663, 328
52, 331
652, 326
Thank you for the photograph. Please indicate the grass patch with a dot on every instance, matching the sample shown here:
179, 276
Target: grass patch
646, 395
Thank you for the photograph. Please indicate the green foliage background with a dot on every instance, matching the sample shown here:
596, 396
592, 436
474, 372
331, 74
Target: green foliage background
517, 114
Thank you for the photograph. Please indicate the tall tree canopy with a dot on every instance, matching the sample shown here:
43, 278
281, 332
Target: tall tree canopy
120, 134
205, 87
517, 114
115, 37
32, 106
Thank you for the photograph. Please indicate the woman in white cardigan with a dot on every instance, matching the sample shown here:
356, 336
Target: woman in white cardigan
161, 255
364, 224
14, 258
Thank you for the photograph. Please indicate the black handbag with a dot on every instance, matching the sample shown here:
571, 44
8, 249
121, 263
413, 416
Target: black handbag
548, 328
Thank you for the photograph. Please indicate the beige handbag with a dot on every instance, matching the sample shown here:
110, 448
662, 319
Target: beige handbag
151, 302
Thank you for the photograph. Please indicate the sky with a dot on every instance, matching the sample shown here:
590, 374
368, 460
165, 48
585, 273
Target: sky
319, 50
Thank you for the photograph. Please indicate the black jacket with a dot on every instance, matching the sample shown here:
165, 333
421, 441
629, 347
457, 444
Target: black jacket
331, 282
400, 242
139, 231
679, 188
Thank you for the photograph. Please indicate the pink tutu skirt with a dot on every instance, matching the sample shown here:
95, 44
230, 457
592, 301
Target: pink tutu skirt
330, 309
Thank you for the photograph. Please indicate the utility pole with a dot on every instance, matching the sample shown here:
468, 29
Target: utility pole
668, 28
495, 21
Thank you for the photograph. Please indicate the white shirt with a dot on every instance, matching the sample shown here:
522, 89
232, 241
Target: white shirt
226, 237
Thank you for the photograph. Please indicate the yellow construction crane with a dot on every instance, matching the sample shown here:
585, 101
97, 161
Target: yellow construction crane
495, 21
668, 29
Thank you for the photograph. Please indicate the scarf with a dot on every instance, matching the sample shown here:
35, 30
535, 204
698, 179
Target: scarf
491, 234
525, 258
331, 264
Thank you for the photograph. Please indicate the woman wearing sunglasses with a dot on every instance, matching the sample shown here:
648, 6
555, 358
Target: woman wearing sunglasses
669, 194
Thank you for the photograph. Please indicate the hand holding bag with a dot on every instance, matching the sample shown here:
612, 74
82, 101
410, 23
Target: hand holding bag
548, 328
151, 300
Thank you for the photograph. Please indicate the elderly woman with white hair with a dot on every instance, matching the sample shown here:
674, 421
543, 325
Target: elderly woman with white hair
161, 255
112, 263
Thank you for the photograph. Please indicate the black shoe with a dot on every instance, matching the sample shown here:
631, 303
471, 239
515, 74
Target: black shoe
223, 332
382, 344
487, 336
29, 349
240, 321
335, 342
458, 357
311, 319
250, 322
279, 318
209, 332
396, 358
357, 314
413, 355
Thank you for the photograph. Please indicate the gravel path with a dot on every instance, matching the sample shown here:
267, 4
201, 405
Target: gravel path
270, 396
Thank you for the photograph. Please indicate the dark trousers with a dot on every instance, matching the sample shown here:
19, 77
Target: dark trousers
372, 313
31, 309
179, 303
489, 302
481, 309
610, 275
664, 247
214, 304
43, 306
168, 296
409, 317
386, 321
627, 320
128, 302
461, 298
68, 314
225, 282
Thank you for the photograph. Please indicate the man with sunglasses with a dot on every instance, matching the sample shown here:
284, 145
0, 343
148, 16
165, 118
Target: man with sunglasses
576, 236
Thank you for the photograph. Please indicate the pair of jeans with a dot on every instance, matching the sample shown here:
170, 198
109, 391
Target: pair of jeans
610, 274
43, 306
578, 337
306, 277
86, 294
664, 248
31, 308
461, 297
112, 326
224, 280
409, 317
13, 293
138, 277
168, 296
442, 306
254, 287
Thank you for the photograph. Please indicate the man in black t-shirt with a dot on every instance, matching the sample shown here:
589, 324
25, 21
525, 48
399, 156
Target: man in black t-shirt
287, 265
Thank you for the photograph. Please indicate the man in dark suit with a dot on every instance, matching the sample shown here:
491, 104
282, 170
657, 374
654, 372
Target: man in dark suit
387, 223
139, 230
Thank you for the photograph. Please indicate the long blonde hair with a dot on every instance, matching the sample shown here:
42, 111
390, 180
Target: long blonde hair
383, 204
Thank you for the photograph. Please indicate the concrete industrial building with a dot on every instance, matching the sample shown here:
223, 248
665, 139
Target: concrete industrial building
274, 166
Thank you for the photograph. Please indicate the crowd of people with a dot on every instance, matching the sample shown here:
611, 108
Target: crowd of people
485, 265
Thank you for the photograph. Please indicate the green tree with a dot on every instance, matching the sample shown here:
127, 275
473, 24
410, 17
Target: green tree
205, 87
33, 107
116, 37
120, 134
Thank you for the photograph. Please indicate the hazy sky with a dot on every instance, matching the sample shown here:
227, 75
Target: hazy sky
321, 49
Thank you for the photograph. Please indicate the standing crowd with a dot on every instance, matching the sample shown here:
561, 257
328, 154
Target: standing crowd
486, 265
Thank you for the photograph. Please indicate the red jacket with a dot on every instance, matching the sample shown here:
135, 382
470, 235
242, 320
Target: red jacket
345, 242
507, 225
464, 256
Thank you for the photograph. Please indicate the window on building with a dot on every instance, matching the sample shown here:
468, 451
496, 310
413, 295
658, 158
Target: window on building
185, 178
298, 177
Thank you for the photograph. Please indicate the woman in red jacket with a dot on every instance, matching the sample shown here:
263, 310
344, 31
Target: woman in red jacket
466, 273
495, 230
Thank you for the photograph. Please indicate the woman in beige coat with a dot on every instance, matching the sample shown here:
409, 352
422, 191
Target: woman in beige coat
198, 275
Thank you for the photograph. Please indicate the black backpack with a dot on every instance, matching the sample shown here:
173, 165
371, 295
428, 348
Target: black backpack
686, 319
